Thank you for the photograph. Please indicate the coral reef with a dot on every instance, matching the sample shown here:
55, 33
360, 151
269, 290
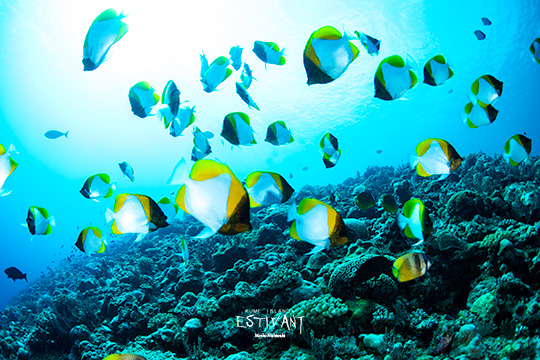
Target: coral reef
257, 296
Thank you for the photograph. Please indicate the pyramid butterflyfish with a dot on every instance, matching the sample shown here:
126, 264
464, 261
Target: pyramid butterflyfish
267, 188
318, 224
169, 208
327, 55
247, 76
237, 130
435, 157
143, 99
185, 117
213, 195
104, 32
269, 53
475, 115
91, 240
393, 78
410, 266
330, 150
39, 222
437, 71
415, 221
517, 149
135, 214
365, 200
487, 89
535, 50
215, 74
7, 165
278, 134
201, 146
98, 186
369, 43
244, 95
127, 170
235, 54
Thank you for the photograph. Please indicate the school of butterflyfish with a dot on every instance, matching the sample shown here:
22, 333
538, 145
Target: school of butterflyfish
212, 193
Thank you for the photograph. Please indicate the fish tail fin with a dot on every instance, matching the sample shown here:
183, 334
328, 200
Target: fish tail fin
179, 174
66, 134
442, 177
205, 233
52, 221
401, 221
411, 63
4, 192
292, 214
24, 277
113, 185
109, 215
12, 150
413, 160
140, 237
316, 249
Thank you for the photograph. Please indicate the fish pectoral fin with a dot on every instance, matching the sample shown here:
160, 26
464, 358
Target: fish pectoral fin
140, 237
316, 249
3, 192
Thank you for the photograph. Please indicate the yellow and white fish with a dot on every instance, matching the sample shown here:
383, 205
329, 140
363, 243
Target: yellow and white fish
267, 188
214, 196
269, 53
318, 224
437, 71
487, 89
410, 266
38, 221
143, 99
215, 74
435, 157
371, 44
184, 118
415, 221
135, 214
201, 146
278, 134
7, 165
476, 115
330, 150
169, 208
327, 55
517, 149
237, 130
98, 186
91, 240
394, 77
104, 32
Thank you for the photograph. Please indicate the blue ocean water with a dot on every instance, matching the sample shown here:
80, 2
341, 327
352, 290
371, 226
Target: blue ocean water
43, 87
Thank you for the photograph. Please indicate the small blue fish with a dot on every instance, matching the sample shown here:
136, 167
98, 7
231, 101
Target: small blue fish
244, 95
480, 35
55, 134
127, 170
236, 57
486, 21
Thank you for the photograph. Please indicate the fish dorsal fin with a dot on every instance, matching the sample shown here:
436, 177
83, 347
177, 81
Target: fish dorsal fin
43, 212
106, 178
252, 178
395, 61
108, 14
2, 149
423, 147
208, 169
119, 202
96, 232
409, 207
308, 204
328, 33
